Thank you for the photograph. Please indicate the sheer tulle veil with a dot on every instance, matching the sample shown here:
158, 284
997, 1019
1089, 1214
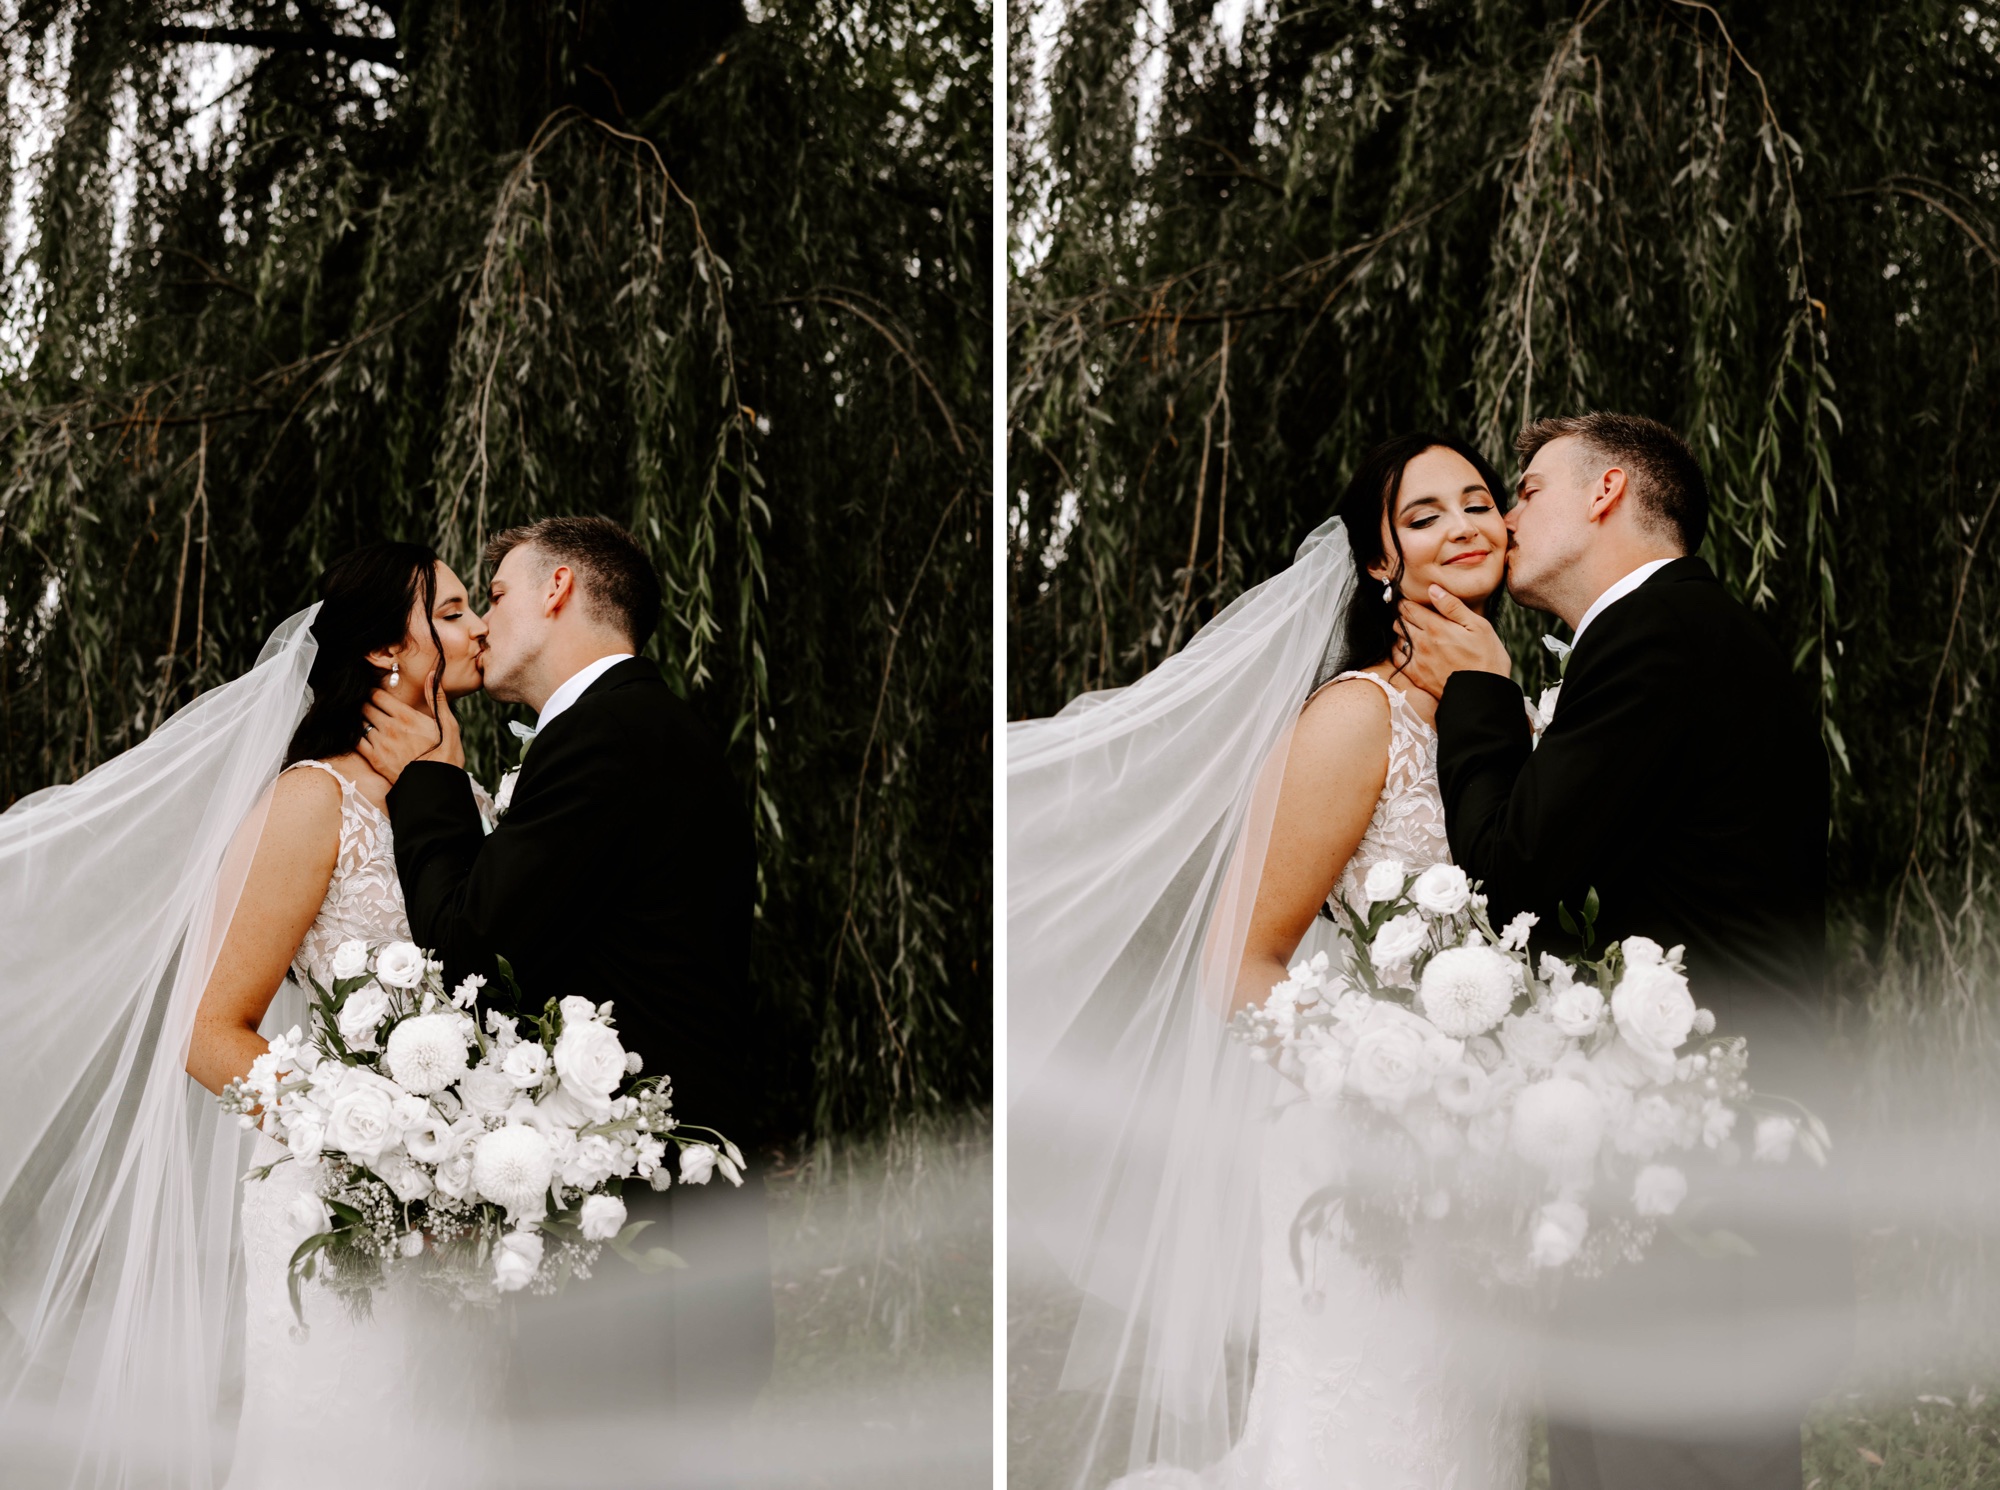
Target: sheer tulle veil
120, 1278
1137, 824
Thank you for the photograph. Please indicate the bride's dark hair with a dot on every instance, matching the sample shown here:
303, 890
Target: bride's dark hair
365, 601
1373, 624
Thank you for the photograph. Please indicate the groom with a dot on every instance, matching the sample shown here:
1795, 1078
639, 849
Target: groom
622, 870
1682, 778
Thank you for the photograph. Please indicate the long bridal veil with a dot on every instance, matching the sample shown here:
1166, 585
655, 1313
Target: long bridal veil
120, 1279
1137, 824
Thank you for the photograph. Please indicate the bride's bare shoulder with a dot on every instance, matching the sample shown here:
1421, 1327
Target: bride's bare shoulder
305, 809
1345, 724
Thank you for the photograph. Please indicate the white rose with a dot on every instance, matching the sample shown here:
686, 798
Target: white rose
1653, 1008
305, 1138
588, 1056
1659, 1190
515, 1259
486, 1092
1653, 1124
307, 1215
430, 1139
427, 1054
697, 1164
1325, 1074
526, 1065
576, 1010
350, 959
1558, 1124
364, 1009
1464, 1089
512, 1167
587, 1163
1384, 881
1559, 1229
454, 1174
1442, 890
1532, 1040
1391, 1064
1465, 991
400, 965
362, 1123
1772, 1143
1399, 939
1577, 1010
602, 1217
1642, 951
409, 1181
408, 1112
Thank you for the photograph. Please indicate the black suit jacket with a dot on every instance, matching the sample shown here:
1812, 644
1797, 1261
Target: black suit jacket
1683, 778
624, 869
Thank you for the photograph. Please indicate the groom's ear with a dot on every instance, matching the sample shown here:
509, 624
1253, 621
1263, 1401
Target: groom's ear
560, 590
1612, 490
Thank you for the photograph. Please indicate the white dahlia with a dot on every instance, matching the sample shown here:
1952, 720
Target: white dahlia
1558, 1124
1466, 990
512, 1166
427, 1054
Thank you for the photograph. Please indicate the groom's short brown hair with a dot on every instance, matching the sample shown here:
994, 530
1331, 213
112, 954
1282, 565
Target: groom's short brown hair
1662, 472
615, 578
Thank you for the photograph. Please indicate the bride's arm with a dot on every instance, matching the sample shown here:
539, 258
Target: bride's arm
1334, 772
287, 883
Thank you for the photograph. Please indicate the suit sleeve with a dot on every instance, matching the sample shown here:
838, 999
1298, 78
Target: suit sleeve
471, 894
1531, 821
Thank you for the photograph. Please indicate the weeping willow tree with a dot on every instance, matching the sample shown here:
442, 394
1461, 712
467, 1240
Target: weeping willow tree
1242, 259
285, 277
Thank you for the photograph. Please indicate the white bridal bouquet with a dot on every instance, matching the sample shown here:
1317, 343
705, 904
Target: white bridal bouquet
485, 1157
1545, 1106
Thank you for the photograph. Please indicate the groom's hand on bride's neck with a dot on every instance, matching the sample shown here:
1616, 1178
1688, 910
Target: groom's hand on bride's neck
1448, 636
394, 735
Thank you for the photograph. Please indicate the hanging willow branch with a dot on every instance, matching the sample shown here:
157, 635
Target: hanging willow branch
556, 261
1404, 215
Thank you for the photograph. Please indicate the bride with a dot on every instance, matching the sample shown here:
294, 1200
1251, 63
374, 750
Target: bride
164, 911
1171, 848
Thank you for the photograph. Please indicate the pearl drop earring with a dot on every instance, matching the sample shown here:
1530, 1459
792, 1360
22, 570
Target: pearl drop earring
1388, 593
395, 673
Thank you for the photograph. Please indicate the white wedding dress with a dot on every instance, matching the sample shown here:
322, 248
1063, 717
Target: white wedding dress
411, 1397
1357, 1388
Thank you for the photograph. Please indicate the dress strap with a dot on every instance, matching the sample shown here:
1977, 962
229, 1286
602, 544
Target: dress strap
346, 786
1376, 678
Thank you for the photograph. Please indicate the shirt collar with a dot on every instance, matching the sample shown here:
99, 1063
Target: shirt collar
1616, 593
572, 687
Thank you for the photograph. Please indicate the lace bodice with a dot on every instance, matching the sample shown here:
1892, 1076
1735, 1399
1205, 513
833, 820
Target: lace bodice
1409, 815
426, 1383
365, 901
1357, 1388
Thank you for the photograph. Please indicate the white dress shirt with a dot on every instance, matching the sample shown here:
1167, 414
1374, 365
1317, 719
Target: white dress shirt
1609, 598
572, 687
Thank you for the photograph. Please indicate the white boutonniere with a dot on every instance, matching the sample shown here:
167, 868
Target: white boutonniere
1562, 649
504, 797
1542, 712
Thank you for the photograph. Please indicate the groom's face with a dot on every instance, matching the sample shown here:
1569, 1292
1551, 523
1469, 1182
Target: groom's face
1549, 523
517, 622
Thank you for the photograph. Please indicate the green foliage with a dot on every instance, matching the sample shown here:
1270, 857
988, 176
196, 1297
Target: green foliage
1239, 266
723, 281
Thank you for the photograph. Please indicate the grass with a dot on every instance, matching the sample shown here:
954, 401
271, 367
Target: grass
883, 1269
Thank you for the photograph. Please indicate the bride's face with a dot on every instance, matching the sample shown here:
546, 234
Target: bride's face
459, 631
1450, 528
